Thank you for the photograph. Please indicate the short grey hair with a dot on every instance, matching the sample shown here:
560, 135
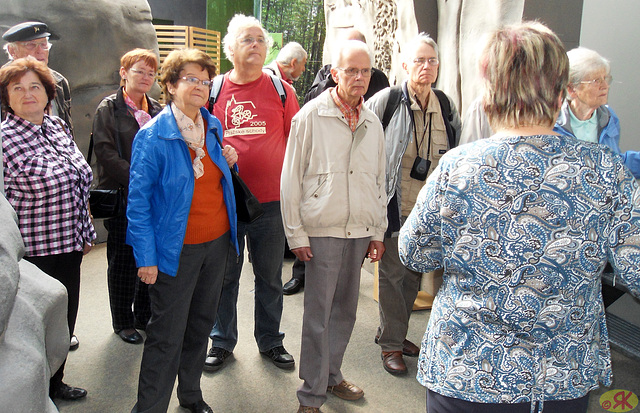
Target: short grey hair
290, 51
411, 46
6, 49
583, 62
350, 46
237, 24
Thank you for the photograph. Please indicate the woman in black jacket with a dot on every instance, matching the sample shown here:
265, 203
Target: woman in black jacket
116, 122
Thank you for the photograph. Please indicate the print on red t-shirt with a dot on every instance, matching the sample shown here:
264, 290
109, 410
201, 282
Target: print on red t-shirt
257, 125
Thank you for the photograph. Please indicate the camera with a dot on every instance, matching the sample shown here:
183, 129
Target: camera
420, 169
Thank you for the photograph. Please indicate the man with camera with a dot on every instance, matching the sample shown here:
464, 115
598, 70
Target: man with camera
420, 124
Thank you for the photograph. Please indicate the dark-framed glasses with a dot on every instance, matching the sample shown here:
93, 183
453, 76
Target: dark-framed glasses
34, 45
194, 81
143, 73
421, 61
353, 72
600, 81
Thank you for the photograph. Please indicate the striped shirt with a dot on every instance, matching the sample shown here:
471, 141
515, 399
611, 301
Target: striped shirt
47, 181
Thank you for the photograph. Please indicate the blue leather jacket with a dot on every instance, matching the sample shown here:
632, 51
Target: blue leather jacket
161, 186
608, 134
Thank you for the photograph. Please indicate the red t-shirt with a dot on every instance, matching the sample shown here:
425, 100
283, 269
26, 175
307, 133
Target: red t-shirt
257, 125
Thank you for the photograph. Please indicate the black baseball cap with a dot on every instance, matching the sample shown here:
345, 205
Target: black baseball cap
28, 31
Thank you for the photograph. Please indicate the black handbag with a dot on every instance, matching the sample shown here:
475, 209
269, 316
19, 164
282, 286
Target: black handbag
248, 208
107, 203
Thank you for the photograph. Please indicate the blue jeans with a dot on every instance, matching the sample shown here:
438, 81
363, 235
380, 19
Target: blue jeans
266, 246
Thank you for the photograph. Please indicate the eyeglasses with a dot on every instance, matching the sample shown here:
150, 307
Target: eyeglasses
143, 73
33, 45
433, 61
599, 81
353, 72
247, 41
194, 81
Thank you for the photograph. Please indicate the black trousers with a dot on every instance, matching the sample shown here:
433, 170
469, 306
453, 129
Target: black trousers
66, 269
437, 403
297, 271
125, 288
184, 309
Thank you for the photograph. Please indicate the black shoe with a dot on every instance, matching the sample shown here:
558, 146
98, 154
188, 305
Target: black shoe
74, 343
292, 286
198, 407
130, 335
280, 357
66, 392
215, 359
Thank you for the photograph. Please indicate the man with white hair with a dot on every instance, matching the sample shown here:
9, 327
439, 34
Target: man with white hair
32, 39
324, 80
256, 119
421, 124
334, 211
290, 63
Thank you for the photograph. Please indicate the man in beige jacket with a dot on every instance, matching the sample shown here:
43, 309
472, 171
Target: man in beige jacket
333, 202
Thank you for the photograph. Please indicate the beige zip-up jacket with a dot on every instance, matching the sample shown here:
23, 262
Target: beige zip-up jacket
333, 180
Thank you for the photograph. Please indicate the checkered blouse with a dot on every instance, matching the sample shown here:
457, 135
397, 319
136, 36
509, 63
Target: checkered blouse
47, 181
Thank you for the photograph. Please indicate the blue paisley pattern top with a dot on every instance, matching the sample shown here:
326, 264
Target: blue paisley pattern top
523, 227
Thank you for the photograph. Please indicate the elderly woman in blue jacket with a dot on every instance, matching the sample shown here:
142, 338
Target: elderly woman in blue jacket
585, 114
182, 225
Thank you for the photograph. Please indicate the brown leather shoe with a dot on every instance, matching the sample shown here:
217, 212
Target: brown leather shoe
308, 409
410, 349
346, 391
393, 363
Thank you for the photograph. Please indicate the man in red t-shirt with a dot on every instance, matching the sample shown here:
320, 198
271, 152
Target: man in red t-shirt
256, 122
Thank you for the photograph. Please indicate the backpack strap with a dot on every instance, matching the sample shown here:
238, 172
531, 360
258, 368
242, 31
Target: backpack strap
215, 91
277, 83
447, 116
269, 70
395, 96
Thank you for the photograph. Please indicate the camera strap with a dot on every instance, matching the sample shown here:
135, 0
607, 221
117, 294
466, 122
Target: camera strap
424, 131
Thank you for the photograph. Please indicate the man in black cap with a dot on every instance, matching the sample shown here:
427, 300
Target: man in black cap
32, 39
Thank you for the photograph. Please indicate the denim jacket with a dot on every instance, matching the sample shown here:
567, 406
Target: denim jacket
161, 188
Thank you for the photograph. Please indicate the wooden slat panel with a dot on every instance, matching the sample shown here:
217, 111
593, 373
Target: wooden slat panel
178, 37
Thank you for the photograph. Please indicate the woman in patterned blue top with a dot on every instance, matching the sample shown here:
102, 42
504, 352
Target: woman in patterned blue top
523, 224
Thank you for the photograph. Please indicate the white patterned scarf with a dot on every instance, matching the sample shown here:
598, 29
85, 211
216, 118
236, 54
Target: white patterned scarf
193, 134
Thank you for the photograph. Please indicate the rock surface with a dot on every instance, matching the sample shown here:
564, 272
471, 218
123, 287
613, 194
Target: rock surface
34, 336
94, 34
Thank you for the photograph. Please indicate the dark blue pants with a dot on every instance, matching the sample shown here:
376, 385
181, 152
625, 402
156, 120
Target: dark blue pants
437, 403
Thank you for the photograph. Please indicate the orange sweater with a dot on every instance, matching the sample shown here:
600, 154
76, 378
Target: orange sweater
208, 217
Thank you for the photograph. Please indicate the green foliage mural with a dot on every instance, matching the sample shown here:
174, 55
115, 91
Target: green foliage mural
299, 21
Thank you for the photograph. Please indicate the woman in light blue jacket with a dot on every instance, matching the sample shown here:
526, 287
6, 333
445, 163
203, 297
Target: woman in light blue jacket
585, 114
182, 226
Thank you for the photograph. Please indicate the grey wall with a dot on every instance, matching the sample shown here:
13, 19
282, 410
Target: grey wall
612, 30
563, 17
427, 16
182, 13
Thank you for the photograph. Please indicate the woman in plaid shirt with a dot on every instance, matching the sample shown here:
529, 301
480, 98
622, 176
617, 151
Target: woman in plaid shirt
46, 180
